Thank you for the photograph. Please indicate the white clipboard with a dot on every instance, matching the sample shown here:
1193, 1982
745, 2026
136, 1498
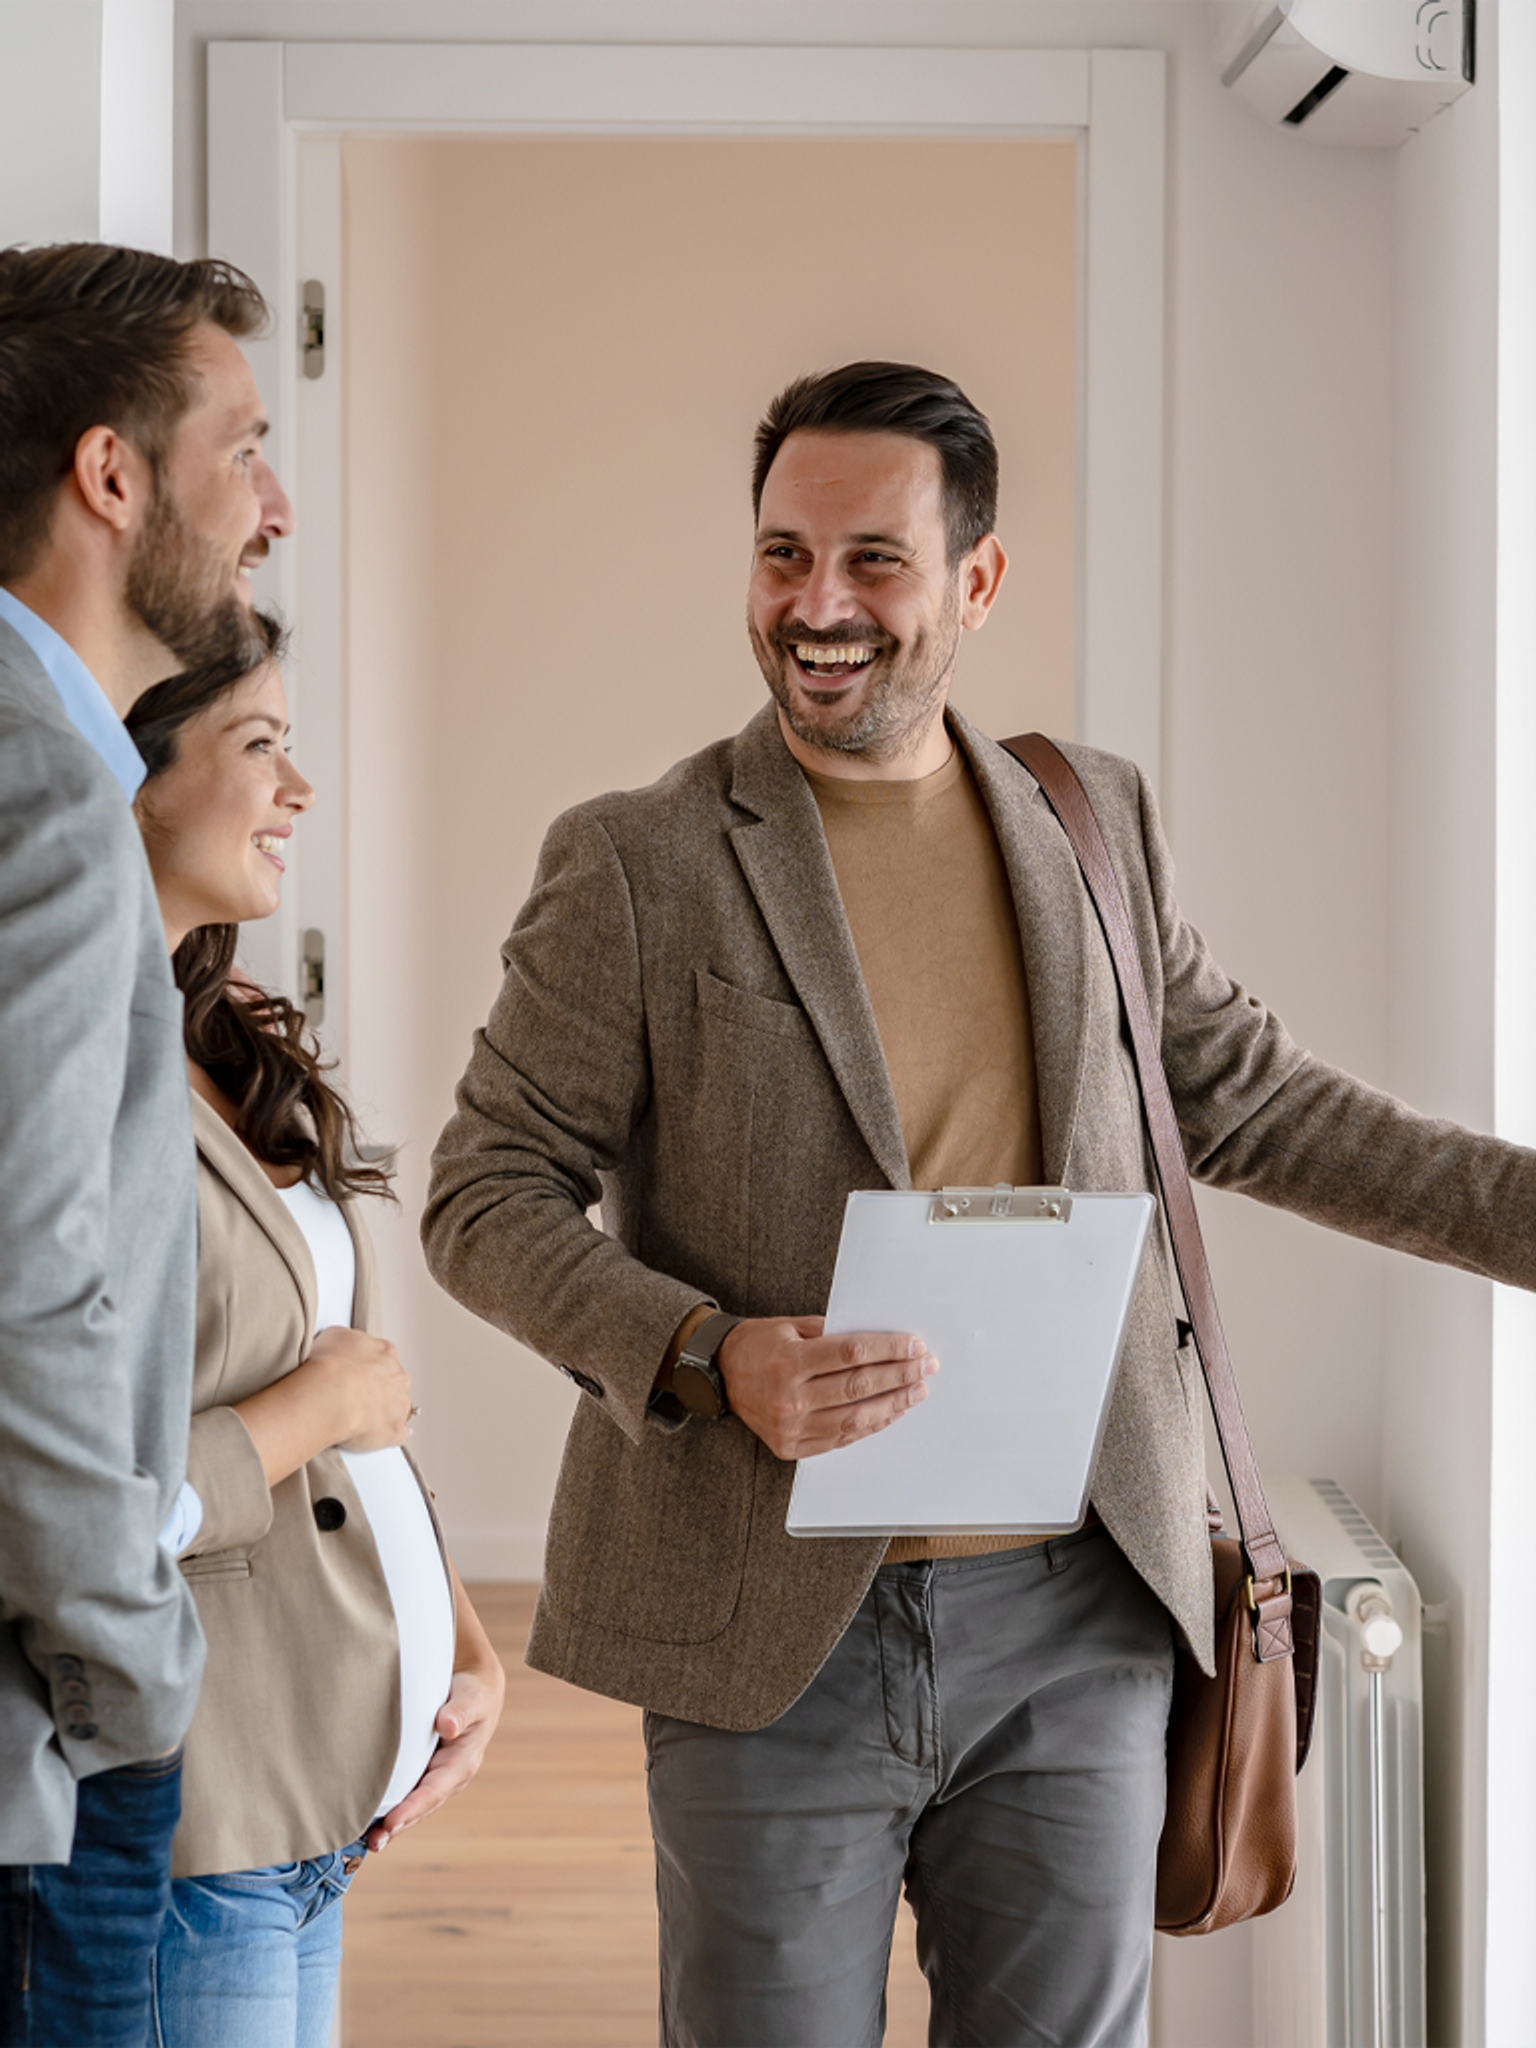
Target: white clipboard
1023, 1296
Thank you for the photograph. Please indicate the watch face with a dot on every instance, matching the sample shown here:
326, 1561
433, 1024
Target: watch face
697, 1386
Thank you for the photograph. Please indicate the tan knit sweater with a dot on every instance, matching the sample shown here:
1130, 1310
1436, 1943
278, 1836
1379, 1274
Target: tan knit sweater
933, 922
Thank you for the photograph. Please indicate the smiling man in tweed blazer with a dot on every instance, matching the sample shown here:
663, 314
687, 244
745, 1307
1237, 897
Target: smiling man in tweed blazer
730, 999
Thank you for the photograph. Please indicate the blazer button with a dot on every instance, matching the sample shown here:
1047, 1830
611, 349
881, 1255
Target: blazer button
584, 1380
69, 1667
75, 1689
329, 1513
83, 1731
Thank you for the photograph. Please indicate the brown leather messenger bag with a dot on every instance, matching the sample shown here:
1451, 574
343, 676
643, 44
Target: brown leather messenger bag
1237, 1740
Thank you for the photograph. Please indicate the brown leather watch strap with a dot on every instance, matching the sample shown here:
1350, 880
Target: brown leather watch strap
1262, 1547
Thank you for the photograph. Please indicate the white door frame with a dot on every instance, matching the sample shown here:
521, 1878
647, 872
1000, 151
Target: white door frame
277, 113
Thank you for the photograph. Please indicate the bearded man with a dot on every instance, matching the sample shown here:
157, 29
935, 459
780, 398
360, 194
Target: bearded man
134, 501
850, 948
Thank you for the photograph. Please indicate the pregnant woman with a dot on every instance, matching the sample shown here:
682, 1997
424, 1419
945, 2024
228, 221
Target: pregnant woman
350, 1688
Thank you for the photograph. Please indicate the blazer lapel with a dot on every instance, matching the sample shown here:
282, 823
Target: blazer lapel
224, 1153
1056, 932
783, 854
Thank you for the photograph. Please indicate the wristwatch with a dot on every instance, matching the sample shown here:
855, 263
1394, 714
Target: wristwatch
696, 1378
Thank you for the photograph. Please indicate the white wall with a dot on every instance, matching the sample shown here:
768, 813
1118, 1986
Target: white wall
1510, 1970
86, 143
137, 121
1459, 1432
1440, 745
50, 139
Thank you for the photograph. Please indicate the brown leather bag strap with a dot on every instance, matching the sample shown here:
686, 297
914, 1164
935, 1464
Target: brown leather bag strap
1266, 1557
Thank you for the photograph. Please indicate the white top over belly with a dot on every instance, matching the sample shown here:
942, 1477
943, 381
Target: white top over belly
419, 1588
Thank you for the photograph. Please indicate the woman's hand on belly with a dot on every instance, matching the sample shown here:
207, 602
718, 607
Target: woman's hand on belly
466, 1721
371, 1389
351, 1392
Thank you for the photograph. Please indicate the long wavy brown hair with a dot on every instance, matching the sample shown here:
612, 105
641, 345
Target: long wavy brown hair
252, 1043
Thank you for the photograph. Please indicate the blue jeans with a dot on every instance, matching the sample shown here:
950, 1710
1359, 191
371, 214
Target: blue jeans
249, 1958
77, 1938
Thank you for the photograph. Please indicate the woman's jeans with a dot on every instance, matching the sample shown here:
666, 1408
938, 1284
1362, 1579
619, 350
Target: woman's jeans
249, 1958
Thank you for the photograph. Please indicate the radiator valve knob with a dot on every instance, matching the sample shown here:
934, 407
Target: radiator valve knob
1381, 1634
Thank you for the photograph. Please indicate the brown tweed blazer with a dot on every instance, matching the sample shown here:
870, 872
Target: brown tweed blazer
683, 1033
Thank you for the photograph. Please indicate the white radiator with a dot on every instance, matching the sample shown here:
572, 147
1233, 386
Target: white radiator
1341, 1964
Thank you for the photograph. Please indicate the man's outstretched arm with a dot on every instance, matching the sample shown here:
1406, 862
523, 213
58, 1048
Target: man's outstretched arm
1262, 1116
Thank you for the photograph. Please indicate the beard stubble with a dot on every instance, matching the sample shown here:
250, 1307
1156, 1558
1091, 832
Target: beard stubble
177, 588
894, 713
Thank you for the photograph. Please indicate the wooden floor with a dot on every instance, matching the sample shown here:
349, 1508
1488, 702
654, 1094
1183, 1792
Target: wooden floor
524, 1914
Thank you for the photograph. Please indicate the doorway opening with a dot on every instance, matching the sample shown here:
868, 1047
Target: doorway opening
556, 351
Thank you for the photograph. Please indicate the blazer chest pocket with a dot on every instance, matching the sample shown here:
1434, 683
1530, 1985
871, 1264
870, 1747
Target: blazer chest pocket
745, 1053
739, 1008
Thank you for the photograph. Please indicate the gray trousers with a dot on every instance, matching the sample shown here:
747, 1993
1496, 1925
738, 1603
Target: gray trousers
990, 1730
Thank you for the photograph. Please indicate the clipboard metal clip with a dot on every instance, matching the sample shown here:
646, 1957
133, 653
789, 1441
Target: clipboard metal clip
1002, 1204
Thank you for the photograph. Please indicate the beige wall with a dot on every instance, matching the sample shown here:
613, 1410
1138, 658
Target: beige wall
557, 352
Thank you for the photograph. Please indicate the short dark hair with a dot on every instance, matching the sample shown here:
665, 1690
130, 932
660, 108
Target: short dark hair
95, 336
894, 398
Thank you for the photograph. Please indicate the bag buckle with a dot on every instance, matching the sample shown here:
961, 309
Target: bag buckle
1273, 1637
1248, 1592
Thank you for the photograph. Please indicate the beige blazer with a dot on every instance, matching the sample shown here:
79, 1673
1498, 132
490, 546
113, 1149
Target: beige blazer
298, 1723
683, 1032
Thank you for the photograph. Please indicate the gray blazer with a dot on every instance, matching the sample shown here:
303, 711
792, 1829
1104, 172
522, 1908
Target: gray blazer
99, 1644
684, 1031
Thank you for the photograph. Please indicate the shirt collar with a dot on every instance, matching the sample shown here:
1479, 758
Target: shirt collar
85, 702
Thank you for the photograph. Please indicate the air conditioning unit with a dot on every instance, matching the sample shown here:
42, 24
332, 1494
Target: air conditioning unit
1367, 72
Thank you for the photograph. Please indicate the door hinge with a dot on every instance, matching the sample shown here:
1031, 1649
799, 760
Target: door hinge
312, 975
312, 328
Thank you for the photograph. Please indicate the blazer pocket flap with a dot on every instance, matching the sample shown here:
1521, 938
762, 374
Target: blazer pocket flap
217, 1564
749, 1012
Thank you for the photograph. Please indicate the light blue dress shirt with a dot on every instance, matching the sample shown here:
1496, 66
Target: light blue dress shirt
91, 714
84, 700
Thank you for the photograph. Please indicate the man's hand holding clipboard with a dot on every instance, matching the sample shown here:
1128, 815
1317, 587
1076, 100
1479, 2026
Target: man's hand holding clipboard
803, 1392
